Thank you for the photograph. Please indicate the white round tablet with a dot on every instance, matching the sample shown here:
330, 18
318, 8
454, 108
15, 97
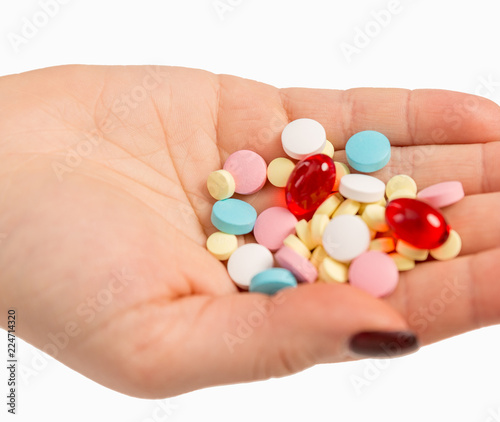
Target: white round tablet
303, 137
248, 260
346, 237
361, 188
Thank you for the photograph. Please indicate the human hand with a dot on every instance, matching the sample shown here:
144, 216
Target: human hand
105, 214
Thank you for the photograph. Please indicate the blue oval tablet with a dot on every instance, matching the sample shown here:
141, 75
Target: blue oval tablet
368, 151
272, 280
233, 216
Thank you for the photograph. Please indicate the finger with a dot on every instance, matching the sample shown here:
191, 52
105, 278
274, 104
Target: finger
406, 117
475, 219
201, 341
253, 115
474, 165
443, 299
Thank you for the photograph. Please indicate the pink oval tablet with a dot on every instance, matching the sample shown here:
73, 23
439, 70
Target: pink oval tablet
300, 267
248, 169
374, 272
273, 226
442, 194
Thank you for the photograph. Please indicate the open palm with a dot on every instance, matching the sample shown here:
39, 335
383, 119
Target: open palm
104, 214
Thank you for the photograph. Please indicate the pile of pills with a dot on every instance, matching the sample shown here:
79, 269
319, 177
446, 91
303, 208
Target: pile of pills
338, 226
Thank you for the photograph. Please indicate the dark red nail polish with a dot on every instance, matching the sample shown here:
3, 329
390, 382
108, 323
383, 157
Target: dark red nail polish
384, 344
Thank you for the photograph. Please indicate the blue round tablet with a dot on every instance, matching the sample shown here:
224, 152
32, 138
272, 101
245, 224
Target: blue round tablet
233, 216
272, 280
368, 151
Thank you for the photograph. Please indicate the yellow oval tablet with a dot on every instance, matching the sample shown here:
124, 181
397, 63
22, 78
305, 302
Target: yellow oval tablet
403, 263
341, 170
303, 233
293, 242
400, 182
449, 249
363, 205
331, 271
339, 196
402, 193
279, 170
329, 149
222, 245
318, 255
374, 217
348, 207
328, 206
383, 244
409, 251
220, 184
344, 167
317, 226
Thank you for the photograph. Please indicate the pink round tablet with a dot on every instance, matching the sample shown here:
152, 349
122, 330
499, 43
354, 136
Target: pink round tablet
442, 194
374, 272
248, 169
300, 267
273, 226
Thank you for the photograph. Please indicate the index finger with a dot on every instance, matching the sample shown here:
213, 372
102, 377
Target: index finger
419, 117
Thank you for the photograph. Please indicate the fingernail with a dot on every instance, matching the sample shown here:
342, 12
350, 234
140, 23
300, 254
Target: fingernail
384, 344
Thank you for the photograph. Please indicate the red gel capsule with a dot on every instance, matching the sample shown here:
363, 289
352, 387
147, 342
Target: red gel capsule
417, 223
310, 183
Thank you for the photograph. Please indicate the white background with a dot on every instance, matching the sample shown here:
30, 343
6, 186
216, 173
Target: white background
448, 44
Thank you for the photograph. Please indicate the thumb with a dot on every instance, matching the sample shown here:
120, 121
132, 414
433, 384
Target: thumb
249, 336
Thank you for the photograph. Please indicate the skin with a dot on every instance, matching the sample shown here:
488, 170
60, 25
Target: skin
105, 258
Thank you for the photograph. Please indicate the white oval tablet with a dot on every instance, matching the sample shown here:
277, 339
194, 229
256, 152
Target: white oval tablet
346, 237
303, 137
248, 260
362, 188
